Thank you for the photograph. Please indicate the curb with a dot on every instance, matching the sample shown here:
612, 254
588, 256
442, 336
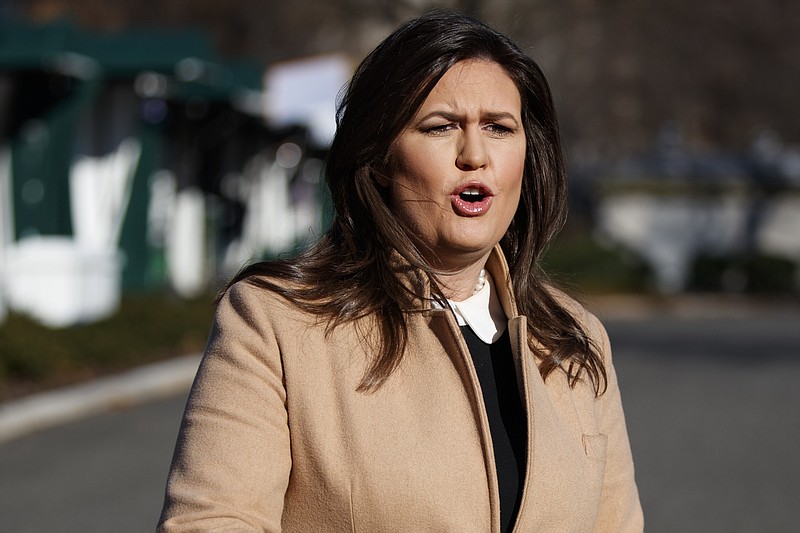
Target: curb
689, 307
143, 384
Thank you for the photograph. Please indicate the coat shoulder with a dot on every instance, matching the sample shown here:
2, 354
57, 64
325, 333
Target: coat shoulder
260, 295
587, 320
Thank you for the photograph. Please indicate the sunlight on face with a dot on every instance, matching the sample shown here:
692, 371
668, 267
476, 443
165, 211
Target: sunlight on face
456, 171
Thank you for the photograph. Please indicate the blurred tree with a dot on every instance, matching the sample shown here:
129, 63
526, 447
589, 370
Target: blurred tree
621, 69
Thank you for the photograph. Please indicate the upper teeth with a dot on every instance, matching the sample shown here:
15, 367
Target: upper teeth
475, 192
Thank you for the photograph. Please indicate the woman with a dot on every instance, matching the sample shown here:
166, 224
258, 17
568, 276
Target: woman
413, 371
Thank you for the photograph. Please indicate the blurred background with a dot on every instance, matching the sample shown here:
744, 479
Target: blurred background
148, 150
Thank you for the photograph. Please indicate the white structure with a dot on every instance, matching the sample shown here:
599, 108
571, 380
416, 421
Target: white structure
780, 232
186, 243
6, 223
62, 281
669, 231
273, 221
304, 92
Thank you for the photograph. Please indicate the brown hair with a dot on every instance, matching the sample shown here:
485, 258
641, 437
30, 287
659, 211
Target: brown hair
350, 272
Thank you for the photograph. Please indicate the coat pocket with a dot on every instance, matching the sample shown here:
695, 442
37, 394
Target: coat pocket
595, 446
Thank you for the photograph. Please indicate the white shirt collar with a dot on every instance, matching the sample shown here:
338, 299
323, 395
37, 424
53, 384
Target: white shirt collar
482, 312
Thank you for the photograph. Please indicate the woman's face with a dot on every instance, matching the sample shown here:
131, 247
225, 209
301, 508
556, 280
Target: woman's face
456, 169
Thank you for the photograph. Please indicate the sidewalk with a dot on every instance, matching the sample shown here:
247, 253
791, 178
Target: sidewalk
689, 306
41, 411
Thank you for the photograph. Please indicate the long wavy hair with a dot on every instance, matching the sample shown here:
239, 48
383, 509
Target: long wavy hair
351, 272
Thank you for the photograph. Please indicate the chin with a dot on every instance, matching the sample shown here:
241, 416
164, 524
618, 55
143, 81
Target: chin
469, 249
475, 242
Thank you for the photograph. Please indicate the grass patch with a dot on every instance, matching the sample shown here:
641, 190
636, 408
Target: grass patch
146, 328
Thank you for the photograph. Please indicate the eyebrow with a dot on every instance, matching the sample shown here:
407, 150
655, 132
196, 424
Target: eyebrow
454, 117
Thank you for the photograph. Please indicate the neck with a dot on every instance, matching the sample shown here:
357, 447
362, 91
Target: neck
460, 285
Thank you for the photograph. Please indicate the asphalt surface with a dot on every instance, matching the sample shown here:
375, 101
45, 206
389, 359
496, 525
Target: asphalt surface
713, 408
103, 474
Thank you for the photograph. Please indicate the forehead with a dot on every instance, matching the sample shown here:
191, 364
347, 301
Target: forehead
472, 85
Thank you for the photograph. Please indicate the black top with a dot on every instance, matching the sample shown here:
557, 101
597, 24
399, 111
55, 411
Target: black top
494, 364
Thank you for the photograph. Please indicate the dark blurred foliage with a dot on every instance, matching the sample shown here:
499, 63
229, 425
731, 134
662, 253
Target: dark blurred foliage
147, 327
749, 272
580, 265
722, 70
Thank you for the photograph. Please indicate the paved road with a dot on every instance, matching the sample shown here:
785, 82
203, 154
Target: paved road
713, 412
103, 474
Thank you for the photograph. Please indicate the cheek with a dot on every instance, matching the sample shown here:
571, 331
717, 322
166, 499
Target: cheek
514, 173
416, 194
419, 174
514, 170
418, 164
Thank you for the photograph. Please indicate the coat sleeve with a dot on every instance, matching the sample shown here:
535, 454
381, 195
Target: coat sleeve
232, 460
620, 508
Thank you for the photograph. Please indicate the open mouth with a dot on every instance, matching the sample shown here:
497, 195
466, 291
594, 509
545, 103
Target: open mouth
472, 199
472, 194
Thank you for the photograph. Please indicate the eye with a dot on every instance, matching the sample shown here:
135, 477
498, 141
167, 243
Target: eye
439, 129
498, 129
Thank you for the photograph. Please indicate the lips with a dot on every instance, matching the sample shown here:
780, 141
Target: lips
471, 199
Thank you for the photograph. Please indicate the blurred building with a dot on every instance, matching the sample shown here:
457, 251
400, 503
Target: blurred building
135, 160
153, 158
713, 222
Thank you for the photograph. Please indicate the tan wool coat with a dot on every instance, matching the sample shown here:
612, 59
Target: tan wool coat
277, 438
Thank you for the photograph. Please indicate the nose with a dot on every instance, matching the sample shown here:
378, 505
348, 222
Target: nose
472, 154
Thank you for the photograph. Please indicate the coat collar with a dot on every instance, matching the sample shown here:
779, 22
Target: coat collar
419, 284
497, 266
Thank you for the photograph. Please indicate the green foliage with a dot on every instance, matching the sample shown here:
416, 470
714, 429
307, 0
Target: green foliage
749, 273
146, 328
576, 260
